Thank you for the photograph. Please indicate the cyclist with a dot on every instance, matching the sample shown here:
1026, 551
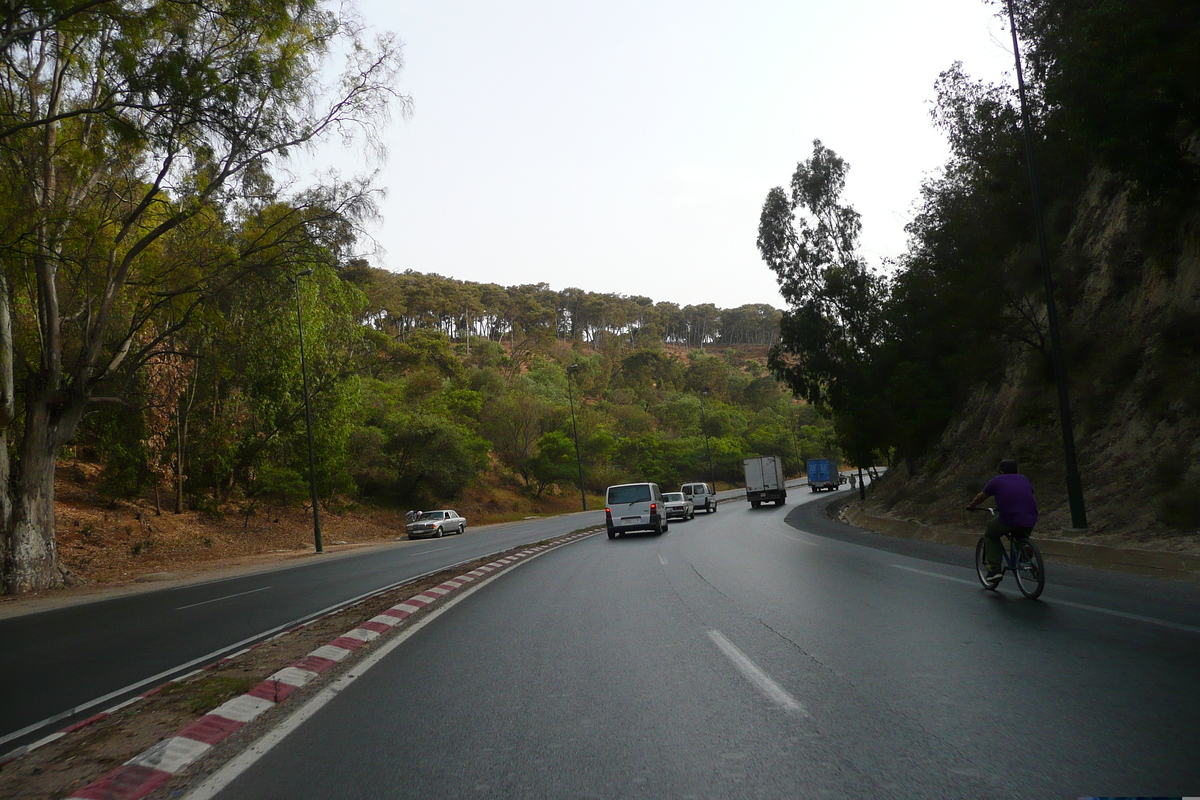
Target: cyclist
1017, 506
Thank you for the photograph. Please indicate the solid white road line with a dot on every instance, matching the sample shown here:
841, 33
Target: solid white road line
934, 574
214, 783
759, 679
1056, 602
796, 538
226, 597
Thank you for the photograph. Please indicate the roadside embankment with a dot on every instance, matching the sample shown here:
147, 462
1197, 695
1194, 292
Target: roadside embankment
1160, 563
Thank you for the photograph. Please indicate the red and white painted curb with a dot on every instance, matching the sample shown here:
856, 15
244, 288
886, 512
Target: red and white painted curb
143, 774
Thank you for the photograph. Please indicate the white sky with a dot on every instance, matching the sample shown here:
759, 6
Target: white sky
627, 147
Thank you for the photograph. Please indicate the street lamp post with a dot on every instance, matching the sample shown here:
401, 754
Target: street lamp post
575, 434
708, 449
1074, 483
312, 469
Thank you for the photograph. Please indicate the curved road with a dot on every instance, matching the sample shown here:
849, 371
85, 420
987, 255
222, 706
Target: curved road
78, 660
749, 655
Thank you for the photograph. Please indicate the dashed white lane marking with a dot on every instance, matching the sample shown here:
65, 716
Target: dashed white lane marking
1082, 606
759, 679
226, 597
662, 560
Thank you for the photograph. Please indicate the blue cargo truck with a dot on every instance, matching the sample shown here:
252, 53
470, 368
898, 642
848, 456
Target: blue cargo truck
823, 475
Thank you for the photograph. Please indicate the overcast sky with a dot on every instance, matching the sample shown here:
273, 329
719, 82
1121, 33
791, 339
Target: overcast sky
627, 147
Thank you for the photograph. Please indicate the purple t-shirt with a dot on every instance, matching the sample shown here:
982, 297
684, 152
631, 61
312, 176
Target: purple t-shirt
1014, 499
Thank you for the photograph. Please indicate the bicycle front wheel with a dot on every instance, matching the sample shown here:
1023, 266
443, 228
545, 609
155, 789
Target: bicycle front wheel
981, 566
1031, 570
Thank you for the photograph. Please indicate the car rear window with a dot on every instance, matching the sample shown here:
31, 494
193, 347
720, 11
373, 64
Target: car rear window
673, 496
637, 493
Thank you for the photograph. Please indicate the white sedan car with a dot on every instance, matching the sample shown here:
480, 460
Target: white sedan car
678, 506
435, 524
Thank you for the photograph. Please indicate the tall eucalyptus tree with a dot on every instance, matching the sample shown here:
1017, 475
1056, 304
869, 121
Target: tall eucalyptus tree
122, 125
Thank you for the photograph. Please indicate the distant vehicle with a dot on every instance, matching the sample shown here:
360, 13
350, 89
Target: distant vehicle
435, 524
823, 475
764, 480
634, 507
701, 495
678, 506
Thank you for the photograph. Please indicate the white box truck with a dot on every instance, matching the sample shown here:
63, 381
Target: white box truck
764, 480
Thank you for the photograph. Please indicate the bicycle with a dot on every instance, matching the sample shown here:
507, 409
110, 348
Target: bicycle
1021, 557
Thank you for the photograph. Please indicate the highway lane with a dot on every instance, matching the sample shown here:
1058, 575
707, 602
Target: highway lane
742, 656
76, 661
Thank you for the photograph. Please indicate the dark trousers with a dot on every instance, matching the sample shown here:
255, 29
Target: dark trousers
996, 529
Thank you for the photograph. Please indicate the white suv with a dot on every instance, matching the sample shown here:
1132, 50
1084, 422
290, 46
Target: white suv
634, 507
701, 495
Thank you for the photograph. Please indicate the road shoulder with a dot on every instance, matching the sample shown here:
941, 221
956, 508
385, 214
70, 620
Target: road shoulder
1139, 561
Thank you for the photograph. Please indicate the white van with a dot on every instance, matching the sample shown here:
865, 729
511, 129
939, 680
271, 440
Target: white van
634, 507
701, 495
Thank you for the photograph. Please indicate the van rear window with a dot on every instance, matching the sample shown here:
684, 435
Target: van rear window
637, 493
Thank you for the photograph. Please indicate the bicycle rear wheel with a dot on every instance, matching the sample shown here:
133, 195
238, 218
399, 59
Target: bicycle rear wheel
981, 566
1031, 570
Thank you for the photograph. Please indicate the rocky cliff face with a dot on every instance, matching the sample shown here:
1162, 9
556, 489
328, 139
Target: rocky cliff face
1129, 297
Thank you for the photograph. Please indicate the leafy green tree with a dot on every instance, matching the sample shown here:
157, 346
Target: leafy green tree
128, 125
405, 454
1117, 77
834, 323
554, 462
514, 423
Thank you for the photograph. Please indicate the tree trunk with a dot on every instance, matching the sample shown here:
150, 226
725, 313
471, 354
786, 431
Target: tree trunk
183, 410
33, 549
8, 406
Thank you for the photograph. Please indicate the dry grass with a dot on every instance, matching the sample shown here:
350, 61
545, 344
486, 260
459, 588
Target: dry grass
106, 542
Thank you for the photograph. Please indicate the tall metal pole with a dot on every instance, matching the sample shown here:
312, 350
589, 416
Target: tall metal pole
1074, 483
575, 433
704, 429
312, 468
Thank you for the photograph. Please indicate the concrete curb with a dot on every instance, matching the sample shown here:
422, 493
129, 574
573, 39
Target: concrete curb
146, 772
1175, 566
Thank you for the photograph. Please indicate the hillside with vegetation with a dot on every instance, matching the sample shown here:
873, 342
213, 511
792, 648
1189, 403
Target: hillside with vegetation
943, 366
421, 385
426, 391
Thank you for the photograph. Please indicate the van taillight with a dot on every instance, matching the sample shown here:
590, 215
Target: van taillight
653, 507
608, 513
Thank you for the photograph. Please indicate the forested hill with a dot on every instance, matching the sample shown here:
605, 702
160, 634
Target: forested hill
401, 302
428, 389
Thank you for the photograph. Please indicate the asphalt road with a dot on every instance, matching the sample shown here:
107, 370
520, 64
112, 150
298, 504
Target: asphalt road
79, 660
745, 655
